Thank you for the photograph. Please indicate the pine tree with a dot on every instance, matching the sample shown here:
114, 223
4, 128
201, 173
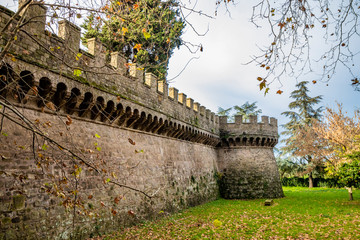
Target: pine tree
302, 113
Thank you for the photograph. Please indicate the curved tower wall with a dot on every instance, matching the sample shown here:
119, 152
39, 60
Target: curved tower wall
246, 159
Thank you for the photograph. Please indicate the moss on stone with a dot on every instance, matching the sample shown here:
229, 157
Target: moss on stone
18, 202
265, 185
114, 88
182, 202
6, 220
193, 179
28, 60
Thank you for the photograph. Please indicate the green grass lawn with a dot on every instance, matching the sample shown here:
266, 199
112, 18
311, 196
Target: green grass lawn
319, 213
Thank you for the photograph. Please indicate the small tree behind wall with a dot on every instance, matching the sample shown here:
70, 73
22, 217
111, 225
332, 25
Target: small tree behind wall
349, 173
247, 109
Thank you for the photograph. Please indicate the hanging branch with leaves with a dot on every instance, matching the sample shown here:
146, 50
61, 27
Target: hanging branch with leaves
293, 24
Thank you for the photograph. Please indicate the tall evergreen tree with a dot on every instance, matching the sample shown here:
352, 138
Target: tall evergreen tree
302, 112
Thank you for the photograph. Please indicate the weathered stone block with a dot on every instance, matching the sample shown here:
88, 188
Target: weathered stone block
173, 94
135, 71
71, 34
189, 103
150, 80
118, 61
269, 202
182, 98
18, 202
196, 107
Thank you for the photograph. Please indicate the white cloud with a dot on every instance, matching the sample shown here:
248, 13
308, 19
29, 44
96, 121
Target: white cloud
219, 77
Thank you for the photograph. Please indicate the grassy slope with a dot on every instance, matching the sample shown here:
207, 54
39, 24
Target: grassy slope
318, 213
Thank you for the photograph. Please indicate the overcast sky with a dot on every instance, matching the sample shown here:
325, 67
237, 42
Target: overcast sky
219, 78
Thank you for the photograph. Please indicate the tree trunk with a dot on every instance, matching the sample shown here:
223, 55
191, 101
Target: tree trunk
350, 193
351, 196
311, 180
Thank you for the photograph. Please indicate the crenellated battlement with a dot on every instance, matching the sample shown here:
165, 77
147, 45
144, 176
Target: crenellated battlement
249, 133
61, 54
250, 126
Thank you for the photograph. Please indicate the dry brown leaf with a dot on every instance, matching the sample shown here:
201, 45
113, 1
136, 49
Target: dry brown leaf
51, 106
69, 120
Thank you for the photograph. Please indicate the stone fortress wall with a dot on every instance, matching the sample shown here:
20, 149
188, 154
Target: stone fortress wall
188, 152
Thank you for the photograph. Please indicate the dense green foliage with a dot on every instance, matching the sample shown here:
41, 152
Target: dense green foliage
319, 213
287, 167
349, 172
145, 31
304, 182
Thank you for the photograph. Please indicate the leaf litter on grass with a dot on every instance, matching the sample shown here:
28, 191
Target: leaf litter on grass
304, 213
